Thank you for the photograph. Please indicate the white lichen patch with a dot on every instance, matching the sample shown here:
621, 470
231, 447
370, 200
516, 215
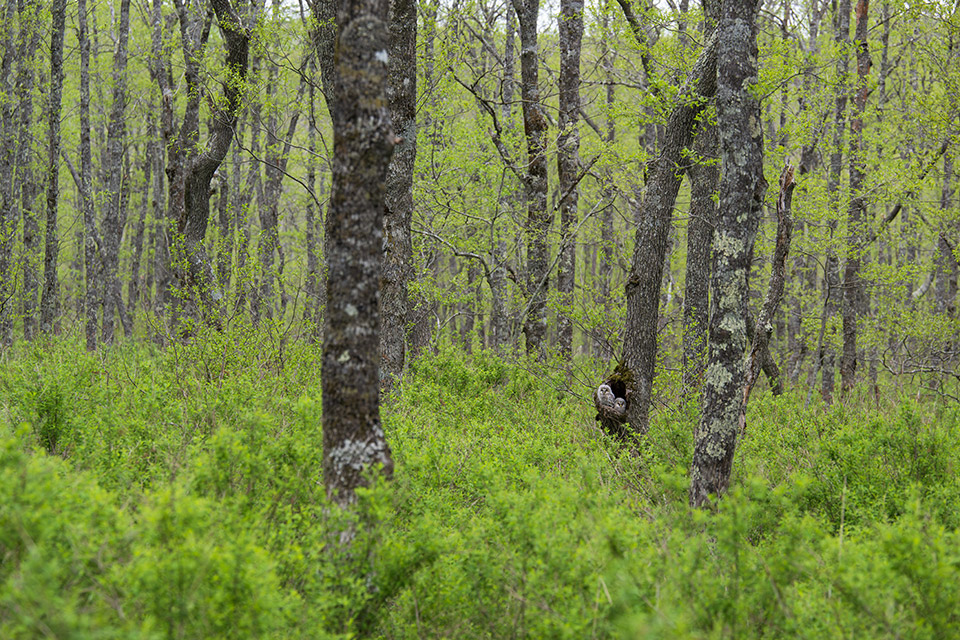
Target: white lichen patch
717, 376
344, 357
351, 310
382, 56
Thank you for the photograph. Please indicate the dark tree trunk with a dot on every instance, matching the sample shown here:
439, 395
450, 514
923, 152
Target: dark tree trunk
111, 229
91, 239
602, 343
500, 332
133, 285
854, 293
946, 265
741, 197
315, 292
353, 439
655, 216
397, 267
277, 155
200, 170
535, 179
831, 276
704, 179
568, 162
761, 335
29, 188
50, 300
8, 210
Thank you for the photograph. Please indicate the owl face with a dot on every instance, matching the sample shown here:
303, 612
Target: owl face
605, 395
620, 406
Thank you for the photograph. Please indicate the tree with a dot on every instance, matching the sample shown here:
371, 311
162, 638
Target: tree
50, 300
854, 295
112, 227
568, 160
397, 268
353, 439
742, 187
534, 178
654, 219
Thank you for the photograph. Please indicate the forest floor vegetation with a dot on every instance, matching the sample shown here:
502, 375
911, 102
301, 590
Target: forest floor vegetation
176, 493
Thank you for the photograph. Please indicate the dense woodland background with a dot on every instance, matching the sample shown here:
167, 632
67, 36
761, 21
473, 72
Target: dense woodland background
554, 218
470, 279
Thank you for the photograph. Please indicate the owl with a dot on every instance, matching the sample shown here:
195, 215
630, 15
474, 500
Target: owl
620, 407
605, 396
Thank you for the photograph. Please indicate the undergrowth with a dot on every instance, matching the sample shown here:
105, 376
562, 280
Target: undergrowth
175, 493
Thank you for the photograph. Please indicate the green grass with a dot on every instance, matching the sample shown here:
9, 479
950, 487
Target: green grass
176, 493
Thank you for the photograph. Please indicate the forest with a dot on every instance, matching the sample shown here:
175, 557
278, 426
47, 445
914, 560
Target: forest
479, 319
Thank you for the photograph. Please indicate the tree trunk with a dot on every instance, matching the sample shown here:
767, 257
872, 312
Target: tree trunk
946, 263
50, 300
8, 210
397, 268
831, 276
655, 216
538, 217
91, 239
741, 196
112, 300
704, 179
854, 293
568, 163
199, 278
353, 439
29, 188
133, 285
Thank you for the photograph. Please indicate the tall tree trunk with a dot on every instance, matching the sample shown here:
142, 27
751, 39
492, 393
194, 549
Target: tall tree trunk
91, 239
29, 188
535, 179
655, 216
742, 188
50, 300
602, 344
500, 333
277, 155
568, 162
312, 305
199, 277
397, 267
831, 276
854, 293
704, 179
133, 285
112, 300
946, 263
353, 439
8, 210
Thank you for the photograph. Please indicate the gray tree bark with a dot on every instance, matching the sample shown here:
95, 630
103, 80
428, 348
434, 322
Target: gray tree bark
568, 163
742, 186
704, 178
539, 218
353, 439
831, 276
50, 299
946, 263
200, 169
111, 227
655, 214
8, 207
397, 267
854, 292
28, 43
92, 248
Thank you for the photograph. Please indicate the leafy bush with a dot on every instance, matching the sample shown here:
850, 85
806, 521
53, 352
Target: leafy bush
177, 494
